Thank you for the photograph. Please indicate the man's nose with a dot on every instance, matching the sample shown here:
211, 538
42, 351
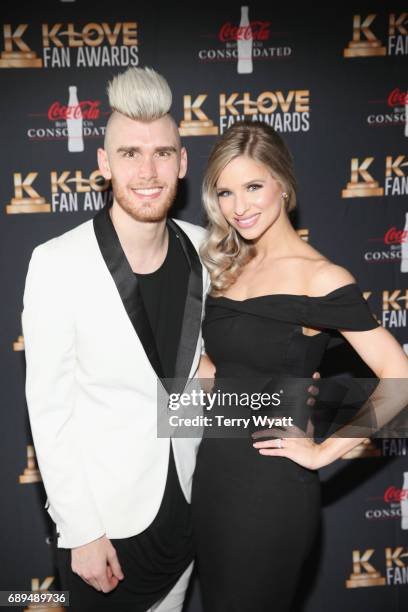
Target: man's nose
147, 168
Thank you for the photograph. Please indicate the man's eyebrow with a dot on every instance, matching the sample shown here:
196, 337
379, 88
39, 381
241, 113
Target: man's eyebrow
170, 148
124, 149
132, 149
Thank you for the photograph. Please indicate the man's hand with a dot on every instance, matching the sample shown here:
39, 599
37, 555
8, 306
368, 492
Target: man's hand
97, 564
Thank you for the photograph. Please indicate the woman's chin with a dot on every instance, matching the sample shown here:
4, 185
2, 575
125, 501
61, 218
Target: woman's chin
249, 233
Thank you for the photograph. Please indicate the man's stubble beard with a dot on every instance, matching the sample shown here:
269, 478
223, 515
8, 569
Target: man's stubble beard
148, 213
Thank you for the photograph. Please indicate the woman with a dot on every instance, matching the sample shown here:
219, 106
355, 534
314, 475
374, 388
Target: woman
256, 504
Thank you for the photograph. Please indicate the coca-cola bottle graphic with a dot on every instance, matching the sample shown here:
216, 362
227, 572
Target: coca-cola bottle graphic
244, 43
74, 122
404, 502
404, 247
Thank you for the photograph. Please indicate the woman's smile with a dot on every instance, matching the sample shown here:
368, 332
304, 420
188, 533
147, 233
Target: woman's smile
246, 222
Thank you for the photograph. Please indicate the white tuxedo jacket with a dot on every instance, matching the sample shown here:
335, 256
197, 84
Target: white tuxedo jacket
92, 369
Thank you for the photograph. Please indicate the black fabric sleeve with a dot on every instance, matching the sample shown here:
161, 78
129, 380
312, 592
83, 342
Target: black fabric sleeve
344, 308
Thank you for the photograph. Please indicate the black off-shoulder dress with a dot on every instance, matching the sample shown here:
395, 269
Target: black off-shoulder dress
255, 517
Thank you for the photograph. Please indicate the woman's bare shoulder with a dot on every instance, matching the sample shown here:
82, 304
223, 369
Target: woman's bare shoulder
327, 277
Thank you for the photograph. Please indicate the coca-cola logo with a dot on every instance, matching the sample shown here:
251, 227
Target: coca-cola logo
86, 109
397, 97
392, 494
394, 236
255, 30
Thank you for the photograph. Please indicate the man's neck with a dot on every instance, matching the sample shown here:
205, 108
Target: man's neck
144, 243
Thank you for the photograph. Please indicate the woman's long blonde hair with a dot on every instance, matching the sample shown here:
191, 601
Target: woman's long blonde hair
225, 252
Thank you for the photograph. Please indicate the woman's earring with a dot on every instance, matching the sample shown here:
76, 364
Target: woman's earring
284, 195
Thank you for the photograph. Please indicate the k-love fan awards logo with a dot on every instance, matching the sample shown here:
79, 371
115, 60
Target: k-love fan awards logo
42, 590
389, 307
393, 305
31, 472
73, 120
367, 40
69, 191
393, 564
18, 345
363, 182
286, 111
394, 110
243, 40
384, 447
70, 45
391, 505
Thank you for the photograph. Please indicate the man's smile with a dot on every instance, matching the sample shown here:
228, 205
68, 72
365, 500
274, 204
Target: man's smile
151, 192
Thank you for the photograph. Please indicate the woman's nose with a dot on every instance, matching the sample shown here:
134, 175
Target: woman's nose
240, 205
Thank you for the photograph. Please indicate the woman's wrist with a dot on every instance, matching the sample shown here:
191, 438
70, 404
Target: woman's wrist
333, 448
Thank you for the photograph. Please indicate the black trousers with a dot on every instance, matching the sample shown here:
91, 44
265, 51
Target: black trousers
152, 561
84, 598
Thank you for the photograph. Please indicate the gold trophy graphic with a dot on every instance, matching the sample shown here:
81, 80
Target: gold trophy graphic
11, 58
18, 345
203, 126
42, 589
370, 577
364, 48
21, 204
304, 234
31, 473
45, 607
361, 189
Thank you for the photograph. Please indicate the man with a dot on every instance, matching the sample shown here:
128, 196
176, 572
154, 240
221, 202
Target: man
110, 307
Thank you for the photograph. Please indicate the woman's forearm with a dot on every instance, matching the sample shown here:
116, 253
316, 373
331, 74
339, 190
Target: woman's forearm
334, 448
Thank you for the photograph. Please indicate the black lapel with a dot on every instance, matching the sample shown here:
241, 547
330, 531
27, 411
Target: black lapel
127, 284
190, 328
